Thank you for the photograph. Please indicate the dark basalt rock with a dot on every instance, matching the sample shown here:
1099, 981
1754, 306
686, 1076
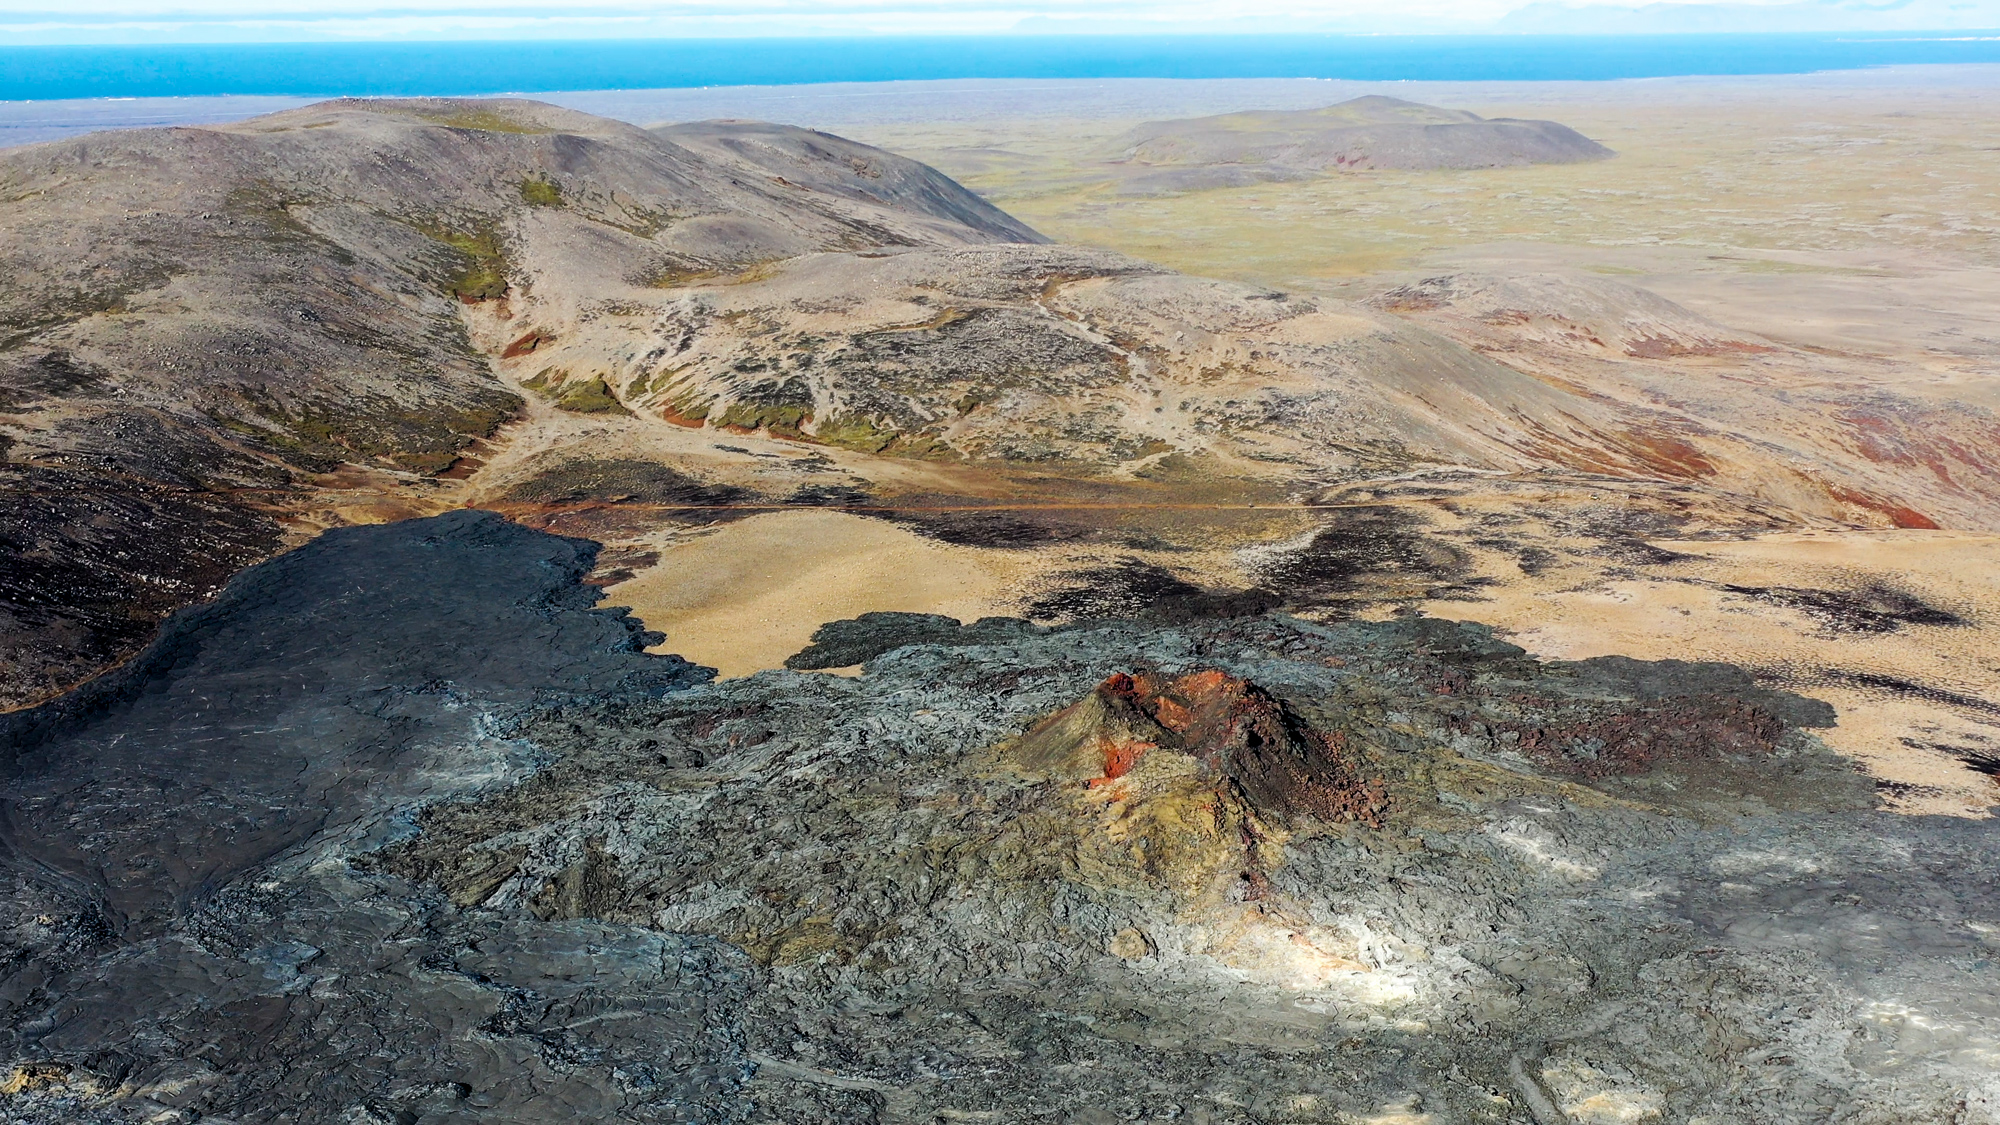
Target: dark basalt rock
304, 691
842, 644
166, 827
1872, 608
1140, 590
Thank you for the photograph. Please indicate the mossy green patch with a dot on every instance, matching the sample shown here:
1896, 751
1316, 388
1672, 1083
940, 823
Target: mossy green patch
310, 456
658, 381
690, 408
853, 431
976, 398
484, 120
782, 420
478, 270
538, 192
926, 447
593, 396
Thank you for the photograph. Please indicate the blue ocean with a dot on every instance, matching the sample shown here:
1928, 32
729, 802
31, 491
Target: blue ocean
322, 69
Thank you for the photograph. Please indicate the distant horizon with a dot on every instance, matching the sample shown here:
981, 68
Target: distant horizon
208, 22
472, 67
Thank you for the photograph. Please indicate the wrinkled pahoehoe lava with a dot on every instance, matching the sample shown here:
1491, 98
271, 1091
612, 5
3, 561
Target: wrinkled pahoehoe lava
399, 829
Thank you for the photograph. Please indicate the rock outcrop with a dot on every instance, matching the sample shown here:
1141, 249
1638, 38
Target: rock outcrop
1241, 739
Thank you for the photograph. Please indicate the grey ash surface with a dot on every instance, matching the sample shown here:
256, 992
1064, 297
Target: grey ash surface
401, 829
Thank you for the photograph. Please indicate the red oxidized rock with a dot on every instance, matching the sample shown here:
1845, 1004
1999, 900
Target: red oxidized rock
1241, 734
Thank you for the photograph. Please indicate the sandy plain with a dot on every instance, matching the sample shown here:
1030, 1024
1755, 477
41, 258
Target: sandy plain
745, 597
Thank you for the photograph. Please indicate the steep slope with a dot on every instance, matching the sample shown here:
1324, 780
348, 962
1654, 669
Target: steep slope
835, 165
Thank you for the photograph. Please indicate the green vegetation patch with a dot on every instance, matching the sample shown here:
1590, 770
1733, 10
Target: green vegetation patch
484, 120
782, 420
658, 381
592, 396
853, 431
479, 267
538, 192
926, 447
690, 409
871, 435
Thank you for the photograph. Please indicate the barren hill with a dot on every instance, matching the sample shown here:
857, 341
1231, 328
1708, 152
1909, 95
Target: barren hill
200, 327
1365, 132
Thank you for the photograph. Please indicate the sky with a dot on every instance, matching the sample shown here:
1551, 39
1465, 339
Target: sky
27, 22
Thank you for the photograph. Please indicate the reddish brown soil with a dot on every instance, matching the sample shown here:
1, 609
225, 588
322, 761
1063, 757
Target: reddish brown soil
1635, 741
1278, 762
526, 344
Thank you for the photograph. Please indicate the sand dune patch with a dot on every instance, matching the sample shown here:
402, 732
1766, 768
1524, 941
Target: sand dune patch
746, 596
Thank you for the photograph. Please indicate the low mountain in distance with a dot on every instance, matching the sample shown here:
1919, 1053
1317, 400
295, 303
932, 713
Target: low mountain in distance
1236, 149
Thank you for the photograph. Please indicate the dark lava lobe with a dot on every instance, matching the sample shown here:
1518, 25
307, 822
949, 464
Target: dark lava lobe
183, 939
300, 697
841, 644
